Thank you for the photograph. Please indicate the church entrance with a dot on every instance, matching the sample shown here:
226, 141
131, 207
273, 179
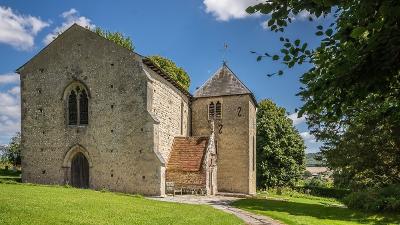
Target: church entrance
80, 171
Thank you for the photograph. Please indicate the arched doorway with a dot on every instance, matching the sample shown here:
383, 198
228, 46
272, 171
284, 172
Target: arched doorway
80, 171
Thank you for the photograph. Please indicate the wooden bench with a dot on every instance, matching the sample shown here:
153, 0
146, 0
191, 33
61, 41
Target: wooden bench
170, 187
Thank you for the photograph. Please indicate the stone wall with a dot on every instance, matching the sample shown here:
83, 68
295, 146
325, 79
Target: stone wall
252, 147
188, 178
119, 139
234, 148
170, 107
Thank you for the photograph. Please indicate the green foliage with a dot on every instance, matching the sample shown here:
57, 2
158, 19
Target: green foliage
13, 151
318, 182
280, 148
59, 205
8, 175
321, 191
116, 37
176, 73
352, 92
307, 174
386, 199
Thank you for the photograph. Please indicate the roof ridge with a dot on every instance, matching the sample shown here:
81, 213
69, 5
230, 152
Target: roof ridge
233, 73
224, 82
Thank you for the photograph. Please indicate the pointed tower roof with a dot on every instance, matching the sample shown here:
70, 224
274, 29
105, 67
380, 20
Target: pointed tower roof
224, 82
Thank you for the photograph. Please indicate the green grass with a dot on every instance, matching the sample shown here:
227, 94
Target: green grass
37, 204
300, 209
9, 176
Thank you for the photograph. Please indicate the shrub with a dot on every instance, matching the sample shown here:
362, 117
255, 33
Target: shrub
385, 199
116, 37
176, 73
323, 191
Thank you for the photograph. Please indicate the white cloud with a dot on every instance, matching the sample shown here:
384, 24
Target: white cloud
15, 90
9, 78
307, 137
19, 30
297, 121
303, 15
9, 105
10, 113
70, 17
225, 10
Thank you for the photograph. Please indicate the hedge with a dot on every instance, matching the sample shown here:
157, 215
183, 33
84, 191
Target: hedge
323, 191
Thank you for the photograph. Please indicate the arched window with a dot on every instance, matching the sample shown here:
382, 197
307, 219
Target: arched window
78, 104
211, 111
72, 109
218, 111
83, 108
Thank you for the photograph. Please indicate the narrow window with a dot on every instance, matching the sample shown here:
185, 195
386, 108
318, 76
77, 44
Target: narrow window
211, 111
216, 147
218, 111
83, 108
72, 109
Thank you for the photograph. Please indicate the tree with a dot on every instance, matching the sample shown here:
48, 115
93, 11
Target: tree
116, 37
3, 153
351, 94
177, 73
13, 151
280, 148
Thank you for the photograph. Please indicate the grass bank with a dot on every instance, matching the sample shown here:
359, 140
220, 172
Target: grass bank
36, 204
300, 209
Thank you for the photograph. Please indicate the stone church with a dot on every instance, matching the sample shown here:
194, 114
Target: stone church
96, 115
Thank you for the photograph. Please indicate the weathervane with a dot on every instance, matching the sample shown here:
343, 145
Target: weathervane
224, 53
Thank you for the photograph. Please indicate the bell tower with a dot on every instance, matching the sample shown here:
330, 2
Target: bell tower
225, 100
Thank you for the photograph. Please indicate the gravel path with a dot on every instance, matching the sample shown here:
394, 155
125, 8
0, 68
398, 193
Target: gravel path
221, 203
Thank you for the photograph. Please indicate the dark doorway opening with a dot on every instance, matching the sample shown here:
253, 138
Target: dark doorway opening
80, 171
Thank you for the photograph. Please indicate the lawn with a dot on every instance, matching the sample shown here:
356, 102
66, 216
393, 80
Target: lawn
38, 204
299, 209
9, 175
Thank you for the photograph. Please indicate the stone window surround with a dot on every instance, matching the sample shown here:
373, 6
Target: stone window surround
216, 112
67, 91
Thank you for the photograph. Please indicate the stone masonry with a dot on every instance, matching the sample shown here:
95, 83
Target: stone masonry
135, 111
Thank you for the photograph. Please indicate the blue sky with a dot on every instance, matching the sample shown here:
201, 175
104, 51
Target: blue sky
192, 33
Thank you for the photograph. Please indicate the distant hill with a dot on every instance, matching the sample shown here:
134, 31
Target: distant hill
311, 161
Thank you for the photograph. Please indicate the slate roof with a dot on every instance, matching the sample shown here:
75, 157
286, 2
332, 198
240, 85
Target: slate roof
224, 82
187, 154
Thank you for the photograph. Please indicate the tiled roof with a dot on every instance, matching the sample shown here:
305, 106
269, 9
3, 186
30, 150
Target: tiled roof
223, 82
187, 154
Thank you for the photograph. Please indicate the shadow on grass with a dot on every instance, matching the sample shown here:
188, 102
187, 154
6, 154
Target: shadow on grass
316, 210
10, 173
9, 176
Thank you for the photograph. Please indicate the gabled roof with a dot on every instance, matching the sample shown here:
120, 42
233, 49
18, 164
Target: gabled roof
223, 83
146, 61
187, 154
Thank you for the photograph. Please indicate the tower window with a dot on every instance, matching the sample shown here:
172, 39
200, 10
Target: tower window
211, 111
218, 111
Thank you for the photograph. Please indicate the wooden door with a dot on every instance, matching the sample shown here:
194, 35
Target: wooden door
80, 171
